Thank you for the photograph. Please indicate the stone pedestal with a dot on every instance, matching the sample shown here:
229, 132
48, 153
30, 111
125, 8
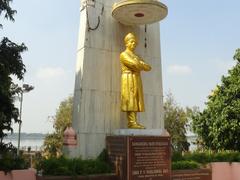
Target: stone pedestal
140, 157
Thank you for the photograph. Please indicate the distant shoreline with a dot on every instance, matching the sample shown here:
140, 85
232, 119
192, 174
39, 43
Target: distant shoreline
33, 140
25, 136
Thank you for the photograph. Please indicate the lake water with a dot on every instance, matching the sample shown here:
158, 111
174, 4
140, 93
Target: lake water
35, 141
30, 140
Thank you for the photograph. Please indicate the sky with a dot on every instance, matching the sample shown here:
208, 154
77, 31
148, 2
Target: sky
198, 41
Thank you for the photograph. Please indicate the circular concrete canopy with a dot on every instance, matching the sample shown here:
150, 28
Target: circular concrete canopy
138, 12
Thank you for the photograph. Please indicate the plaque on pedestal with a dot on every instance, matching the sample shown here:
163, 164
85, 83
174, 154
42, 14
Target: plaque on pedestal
140, 157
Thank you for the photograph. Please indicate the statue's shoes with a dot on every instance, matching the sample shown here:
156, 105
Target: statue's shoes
135, 125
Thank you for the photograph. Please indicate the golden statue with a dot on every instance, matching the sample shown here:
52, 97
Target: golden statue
132, 100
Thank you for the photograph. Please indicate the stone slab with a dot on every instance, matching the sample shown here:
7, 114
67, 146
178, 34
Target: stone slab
140, 132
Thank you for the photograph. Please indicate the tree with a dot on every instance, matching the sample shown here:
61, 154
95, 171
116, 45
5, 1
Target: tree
176, 121
218, 126
7, 10
11, 64
63, 117
53, 143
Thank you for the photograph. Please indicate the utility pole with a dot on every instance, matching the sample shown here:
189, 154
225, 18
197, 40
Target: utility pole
25, 89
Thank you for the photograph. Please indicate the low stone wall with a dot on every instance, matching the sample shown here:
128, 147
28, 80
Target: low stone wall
198, 174
93, 177
216, 171
18, 175
225, 171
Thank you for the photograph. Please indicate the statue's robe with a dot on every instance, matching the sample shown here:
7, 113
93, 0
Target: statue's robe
131, 84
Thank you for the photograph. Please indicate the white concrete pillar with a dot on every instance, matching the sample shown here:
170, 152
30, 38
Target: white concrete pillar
97, 87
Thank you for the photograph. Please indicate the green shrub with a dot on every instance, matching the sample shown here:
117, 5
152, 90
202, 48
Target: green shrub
178, 165
103, 156
226, 156
177, 156
203, 158
64, 166
93, 167
55, 166
9, 161
200, 157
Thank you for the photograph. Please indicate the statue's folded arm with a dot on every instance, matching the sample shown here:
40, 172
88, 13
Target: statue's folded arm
131, 63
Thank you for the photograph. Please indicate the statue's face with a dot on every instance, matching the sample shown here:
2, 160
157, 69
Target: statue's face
131, 44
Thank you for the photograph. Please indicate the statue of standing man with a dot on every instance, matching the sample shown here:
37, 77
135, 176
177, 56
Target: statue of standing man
132, 100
